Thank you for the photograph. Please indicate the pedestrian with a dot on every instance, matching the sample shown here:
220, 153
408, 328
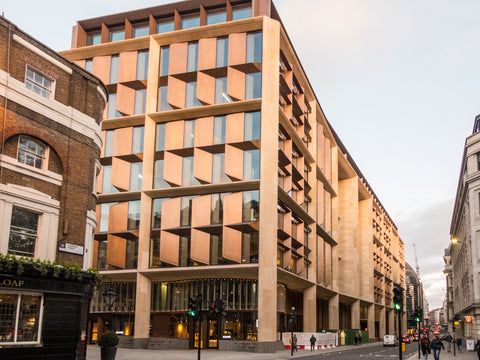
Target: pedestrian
437, 346
294, 342
313, 340
449, 342
477, 348
425, 345
459, 344
359, 340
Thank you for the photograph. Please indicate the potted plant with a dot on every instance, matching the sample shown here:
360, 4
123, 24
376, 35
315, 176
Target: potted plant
108, 342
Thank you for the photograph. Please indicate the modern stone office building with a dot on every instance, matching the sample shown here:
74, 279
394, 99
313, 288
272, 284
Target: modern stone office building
222, 176
462, 257
50, 114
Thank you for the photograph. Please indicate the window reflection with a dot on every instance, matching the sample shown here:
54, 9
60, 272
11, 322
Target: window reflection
254, 48
136, 176
114, 69
191, 95
163, 104
137, 139
219, 126
142, 65
133, 215
189, 134
159, 182
163, 27
221, 95
251, 165
188, 23
192, 57
216, 18
140, 31
117, 34
252, 126
140, 101
222, 52
165, 59
253, 86
251, 201
160, 137
241, 13
187, 174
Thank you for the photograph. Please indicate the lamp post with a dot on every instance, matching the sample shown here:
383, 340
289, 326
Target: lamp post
110, 296
292, 321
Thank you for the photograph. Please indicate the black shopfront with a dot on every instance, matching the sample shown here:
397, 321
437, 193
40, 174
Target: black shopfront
44, 317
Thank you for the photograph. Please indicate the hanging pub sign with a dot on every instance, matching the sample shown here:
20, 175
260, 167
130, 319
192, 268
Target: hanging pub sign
468, 319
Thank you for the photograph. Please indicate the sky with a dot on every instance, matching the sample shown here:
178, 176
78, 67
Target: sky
399, 81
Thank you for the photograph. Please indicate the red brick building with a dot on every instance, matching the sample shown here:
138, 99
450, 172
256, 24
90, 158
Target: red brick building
50, 114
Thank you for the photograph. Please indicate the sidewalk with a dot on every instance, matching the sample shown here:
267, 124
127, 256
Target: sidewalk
93, 353
444, 355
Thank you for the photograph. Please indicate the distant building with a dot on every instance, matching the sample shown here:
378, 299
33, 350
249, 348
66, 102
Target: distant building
448, 303
222, 176
465, 235
50, 113
414, 295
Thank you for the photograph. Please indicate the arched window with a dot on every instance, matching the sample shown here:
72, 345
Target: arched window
31, 152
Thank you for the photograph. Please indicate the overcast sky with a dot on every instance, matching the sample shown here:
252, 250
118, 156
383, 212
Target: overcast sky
398, 80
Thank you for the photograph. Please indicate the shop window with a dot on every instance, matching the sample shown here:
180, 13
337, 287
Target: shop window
140, 101
94, 38
32, 152
23, 232
216, 17
253, 86
165, 26
142, 65
192, 22
251, 165
222, 52
20, 318
140, 30
192, 57
252, 126
38, 82
114, 60
241, 13
116, 35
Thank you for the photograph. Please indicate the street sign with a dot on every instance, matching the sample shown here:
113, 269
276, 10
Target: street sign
70, 248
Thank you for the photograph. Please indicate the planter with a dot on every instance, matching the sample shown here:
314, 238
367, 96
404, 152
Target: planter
108, 352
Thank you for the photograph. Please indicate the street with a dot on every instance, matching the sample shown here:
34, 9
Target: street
370, 352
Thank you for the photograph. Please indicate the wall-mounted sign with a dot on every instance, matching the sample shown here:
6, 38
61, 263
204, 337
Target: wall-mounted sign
468, 319
70, 248
12, 282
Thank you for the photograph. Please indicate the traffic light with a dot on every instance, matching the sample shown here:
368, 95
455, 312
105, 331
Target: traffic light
221, 308
418, 315
398, 298
192, 306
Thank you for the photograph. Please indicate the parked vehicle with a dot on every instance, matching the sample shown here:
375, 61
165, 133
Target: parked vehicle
390, 340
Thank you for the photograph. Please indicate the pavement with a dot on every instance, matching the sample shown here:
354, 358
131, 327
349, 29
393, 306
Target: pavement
93, 353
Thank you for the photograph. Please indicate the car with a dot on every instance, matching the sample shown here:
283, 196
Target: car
390, 340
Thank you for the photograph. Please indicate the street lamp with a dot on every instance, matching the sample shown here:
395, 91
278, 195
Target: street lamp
292, 321
454, 240
110, 296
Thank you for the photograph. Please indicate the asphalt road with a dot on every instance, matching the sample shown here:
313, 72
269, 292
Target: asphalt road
371, 353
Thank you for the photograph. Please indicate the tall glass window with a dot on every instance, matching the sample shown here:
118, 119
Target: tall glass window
108, 150
112, 111
251, 202
165, 59
254, 47
163, 104
218, 169
187, 172
189, 134
142, 65
219, 126
221, 95
216, 255
191, 95
192, 57
160, 143
186, 210
251, 165
140, 101
222, 52
140, 30
114, 69
133, 215
216, 18
252, 126
165, 26
216, 214
157, 213
117, 34
136, 176
253, 86
107, 187
160, 182
184, 251
104, 214
137, 139
241, 13
250, 248
23, 232
191, 22
94, 38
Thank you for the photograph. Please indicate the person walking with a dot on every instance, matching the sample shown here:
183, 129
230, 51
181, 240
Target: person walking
459, 344
425, 345
437, 346
294, 342
313, 340
359, 338
477, 348
449, 342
